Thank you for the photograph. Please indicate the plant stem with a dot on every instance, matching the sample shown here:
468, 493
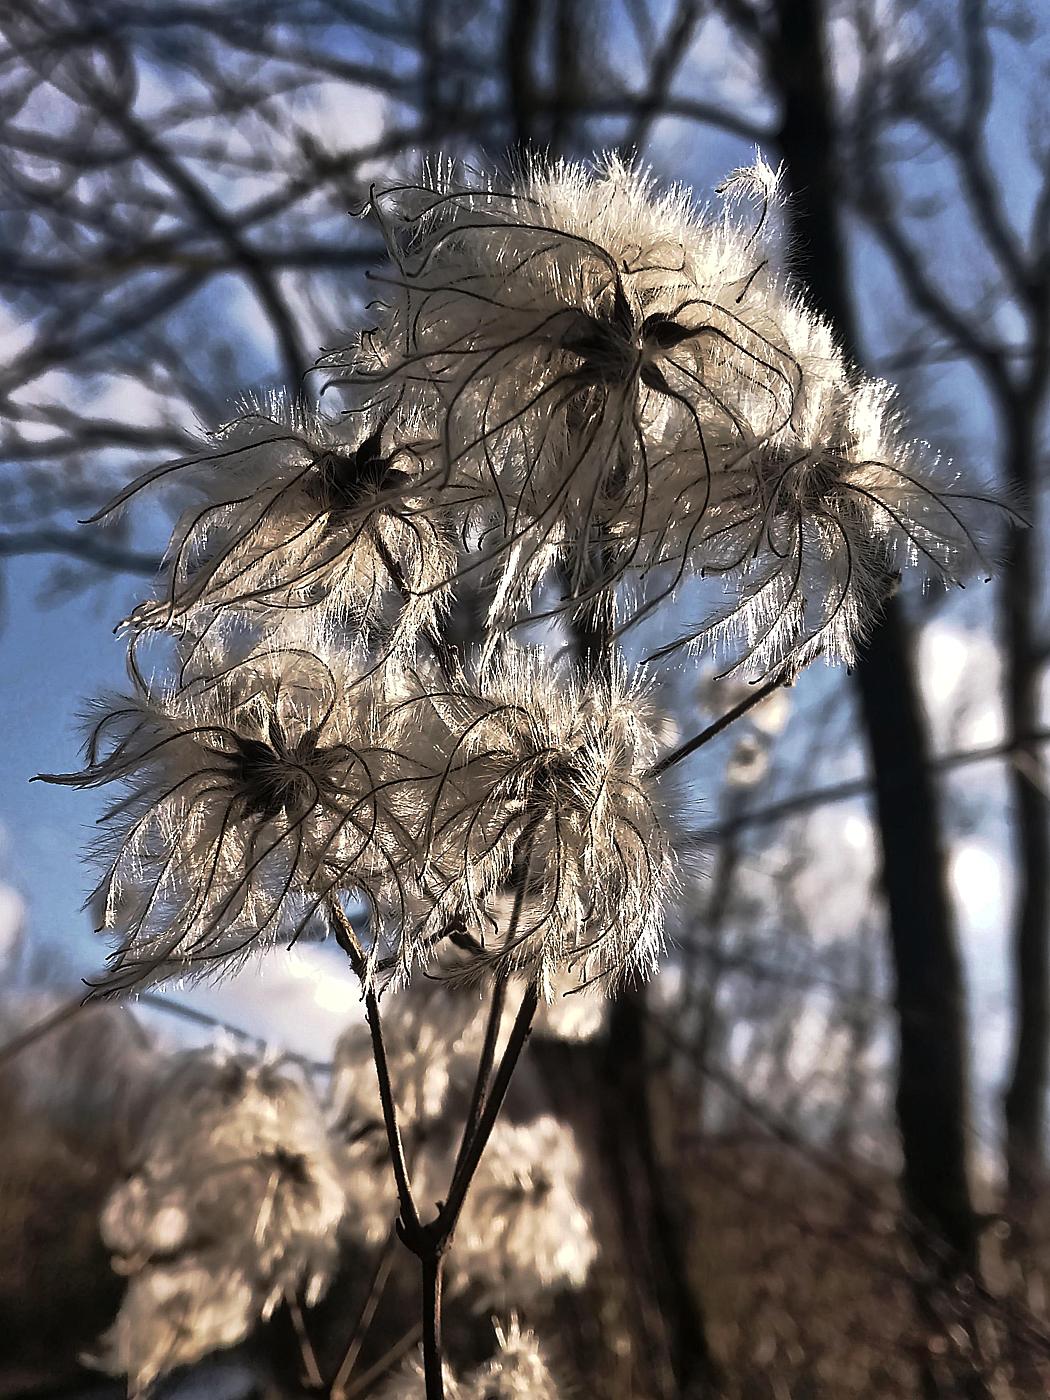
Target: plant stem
378, 1369
713, 730
493, 1103
481, 1082
347, 940
488, 1049
365, 1317
429, 1242
433, 1268
311, 1370
406, 1201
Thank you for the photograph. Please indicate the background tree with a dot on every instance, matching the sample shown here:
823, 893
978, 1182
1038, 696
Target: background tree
940, 85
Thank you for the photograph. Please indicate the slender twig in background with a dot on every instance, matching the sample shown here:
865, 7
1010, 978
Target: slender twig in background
70, 1009
200, 1018
379, 1368
311, 1370
205, 1018
858, 787
365, 1317
713, 730
49, 540
53, 1022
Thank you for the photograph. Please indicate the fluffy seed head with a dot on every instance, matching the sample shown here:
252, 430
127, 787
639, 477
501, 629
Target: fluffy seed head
619, 384
410, 1383
575, 335
810, 527
544, 806
295, 513
232, 1204
523, 1230
518, 1370
172, 1315
248, 800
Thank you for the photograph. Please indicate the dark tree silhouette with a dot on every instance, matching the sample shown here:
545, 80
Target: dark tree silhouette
1011, 253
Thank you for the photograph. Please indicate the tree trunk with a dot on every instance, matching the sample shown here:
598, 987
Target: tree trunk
932, 1082
1025, 1103
653, 1212
932, 1093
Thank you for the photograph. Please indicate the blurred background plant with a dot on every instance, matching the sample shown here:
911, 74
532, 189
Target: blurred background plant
813, 1149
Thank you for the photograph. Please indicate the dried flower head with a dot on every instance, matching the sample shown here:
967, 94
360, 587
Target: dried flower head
248, 800
410, 1383
232, 1204
294, 514
544, 834
523, 1230
617, 382
810, 527
172, 1315
518, 1370
574, 335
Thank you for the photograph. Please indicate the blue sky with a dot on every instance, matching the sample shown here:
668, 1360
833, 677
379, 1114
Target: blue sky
54, 658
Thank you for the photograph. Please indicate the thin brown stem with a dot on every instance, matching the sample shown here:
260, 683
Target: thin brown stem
365, 1317
347, 940
485, 1063
519, 1036
346, 937
406, 1201
378, 1369
36, 1032
499, 998
311, 1370
713, 730
433, 1363
429, 1242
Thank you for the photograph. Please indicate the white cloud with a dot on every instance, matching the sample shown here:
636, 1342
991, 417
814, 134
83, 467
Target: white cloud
12, 923
299, 999
343, 117
858, 833
978, 880
16, 333
109, 397
960, 671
